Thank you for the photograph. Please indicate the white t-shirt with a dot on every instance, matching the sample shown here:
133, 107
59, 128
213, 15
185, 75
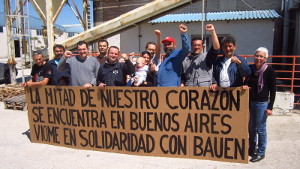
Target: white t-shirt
224, 78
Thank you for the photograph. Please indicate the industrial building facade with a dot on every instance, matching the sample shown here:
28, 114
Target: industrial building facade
286, 29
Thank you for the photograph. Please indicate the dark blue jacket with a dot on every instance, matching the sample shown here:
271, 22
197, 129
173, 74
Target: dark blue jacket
60, 78
235, 72
114, 74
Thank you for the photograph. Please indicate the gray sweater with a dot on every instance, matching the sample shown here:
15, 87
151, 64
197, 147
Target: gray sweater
82, 71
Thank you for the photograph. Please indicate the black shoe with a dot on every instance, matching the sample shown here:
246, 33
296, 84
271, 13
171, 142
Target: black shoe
252, 153
257, 158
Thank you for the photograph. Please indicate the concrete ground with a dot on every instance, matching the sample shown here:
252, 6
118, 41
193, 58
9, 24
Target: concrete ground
17, 152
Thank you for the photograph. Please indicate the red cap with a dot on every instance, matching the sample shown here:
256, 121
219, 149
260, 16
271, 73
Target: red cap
169, 39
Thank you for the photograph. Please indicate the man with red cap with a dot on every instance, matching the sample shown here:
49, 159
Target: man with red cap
170, 69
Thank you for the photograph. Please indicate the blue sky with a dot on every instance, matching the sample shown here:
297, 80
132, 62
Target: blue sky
66, 17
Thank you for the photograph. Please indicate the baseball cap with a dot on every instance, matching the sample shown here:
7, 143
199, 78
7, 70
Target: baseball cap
169, 39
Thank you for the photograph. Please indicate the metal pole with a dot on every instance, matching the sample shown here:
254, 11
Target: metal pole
202, 22
19, 34
86, 15
77, 14
10, 42
293, 74
28, 34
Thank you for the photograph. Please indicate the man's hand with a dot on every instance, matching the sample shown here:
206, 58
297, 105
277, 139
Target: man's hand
102, 85
124, 56
131, 56
68, 54
157, 32
210, 27
87, 85
135, 80
182, 28
213, 87
245, 87
152, 67
268, 112
235, 60
27, 84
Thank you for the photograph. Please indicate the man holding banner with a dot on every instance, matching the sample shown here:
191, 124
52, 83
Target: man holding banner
113, 72
230, 69
41, 73
84, 69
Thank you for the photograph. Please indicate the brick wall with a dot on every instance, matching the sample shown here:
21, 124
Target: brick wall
214, 6
105, 10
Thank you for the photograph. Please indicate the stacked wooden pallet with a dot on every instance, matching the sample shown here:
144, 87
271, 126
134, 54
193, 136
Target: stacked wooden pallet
16, 102
13, 97
8, 91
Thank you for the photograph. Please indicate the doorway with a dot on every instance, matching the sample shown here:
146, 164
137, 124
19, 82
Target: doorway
17, 48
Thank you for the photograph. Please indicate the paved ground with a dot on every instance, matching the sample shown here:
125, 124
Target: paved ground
16, 151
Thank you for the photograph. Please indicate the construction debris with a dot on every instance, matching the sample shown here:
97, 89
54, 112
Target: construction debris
13, 97
16, 103
8, 91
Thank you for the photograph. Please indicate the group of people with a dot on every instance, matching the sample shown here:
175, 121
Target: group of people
188, 66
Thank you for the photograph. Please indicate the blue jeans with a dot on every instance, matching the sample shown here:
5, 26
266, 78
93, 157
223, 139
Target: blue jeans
257, 127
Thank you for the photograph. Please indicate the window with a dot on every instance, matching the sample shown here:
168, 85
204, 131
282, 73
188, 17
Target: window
70, 34
208, 41
228, 5
14, 31
39, 32
1, 29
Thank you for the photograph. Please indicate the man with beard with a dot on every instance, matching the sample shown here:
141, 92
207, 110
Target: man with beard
197, 67
113, 72
41, 73
169, 72
59, 78
84, 69
102, 46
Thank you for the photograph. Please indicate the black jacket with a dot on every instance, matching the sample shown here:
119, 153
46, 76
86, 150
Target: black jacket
114, 74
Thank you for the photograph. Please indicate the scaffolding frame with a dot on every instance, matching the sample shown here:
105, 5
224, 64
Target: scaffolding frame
17, 25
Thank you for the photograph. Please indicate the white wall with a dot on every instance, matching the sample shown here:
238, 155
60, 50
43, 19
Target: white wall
34, 43
249, 34
114, 41
3, 46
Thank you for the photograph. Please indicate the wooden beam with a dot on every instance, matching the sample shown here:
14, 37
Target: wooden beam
123, 22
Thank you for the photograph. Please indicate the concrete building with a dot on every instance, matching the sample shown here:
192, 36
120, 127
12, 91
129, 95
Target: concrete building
285, 28
251, 29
